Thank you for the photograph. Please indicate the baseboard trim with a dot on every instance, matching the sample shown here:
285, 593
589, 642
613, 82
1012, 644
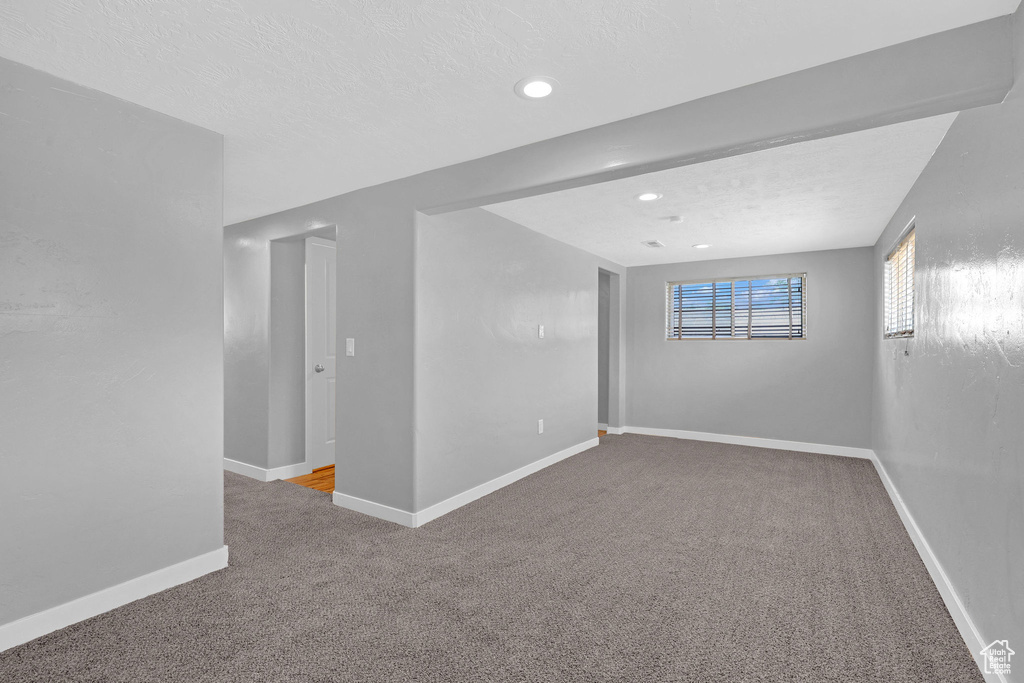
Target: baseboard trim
416, 519
262, 474
289, 471
616, 430
803, 447
458, 500
379, 510
968, 631
602, 426
35, 625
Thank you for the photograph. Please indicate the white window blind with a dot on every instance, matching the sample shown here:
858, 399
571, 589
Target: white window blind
899, 289
771, 307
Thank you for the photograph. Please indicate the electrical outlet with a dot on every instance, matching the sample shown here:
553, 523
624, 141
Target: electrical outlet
540, 426
540, 331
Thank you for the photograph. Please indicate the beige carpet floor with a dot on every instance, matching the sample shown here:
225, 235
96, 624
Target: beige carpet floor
644, 559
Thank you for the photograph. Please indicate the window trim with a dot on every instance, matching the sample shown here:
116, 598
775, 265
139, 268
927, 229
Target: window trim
712, 281
910, 229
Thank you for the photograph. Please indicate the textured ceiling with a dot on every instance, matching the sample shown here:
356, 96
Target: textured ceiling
833, 193
320, 97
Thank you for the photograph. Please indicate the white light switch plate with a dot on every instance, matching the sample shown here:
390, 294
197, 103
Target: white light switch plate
540, 331
350, 347
540, 426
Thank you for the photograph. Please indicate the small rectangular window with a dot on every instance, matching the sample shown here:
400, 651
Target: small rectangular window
899, 288
771, 307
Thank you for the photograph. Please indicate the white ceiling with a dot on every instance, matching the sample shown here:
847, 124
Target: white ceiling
320, 97
833, 193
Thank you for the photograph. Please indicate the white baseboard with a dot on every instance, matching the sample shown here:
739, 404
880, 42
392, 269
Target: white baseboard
47, 621
602, 426
289, 471
968, 631
379, 510
262, 474
415, 519
457, 501
803, 447
616, 430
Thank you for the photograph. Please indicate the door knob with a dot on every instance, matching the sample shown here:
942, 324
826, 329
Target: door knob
318, 368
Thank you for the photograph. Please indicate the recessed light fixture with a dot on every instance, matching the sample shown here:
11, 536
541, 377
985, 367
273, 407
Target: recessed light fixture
701, 246
648, 196
535, 87
653, 244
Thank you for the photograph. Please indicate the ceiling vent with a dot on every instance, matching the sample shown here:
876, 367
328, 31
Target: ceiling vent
653, 244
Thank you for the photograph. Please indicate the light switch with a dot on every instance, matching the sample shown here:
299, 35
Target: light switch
540, 426
540, 331
350, 346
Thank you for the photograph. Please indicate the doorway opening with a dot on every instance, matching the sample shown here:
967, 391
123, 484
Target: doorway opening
603, 301
302, 330
608, 329
320, 363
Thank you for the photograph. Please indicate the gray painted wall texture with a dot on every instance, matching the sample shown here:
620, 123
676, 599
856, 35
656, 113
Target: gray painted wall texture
619, 346
247, 345
286, 431
604, 293
816, 390
110, 341
948, 417
483, 375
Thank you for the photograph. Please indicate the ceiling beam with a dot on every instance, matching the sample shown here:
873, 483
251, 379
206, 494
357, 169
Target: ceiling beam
966, 67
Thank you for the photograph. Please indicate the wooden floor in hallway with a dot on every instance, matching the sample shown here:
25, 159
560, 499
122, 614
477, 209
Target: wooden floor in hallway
321, 479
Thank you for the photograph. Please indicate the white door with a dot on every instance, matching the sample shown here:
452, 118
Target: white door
321, 350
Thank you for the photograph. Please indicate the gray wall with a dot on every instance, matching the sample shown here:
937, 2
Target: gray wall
816, 390
604, 293
948, 417
619, 346
111, 325
286, 431
247, 346
483, 375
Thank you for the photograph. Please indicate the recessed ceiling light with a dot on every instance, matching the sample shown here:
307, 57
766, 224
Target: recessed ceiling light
648, 196
701, 246
535, 87
654, 244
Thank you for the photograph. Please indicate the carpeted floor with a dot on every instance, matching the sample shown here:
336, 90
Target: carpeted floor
644, 559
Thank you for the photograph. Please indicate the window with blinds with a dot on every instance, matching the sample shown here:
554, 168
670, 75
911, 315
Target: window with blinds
771, 307
899, 289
